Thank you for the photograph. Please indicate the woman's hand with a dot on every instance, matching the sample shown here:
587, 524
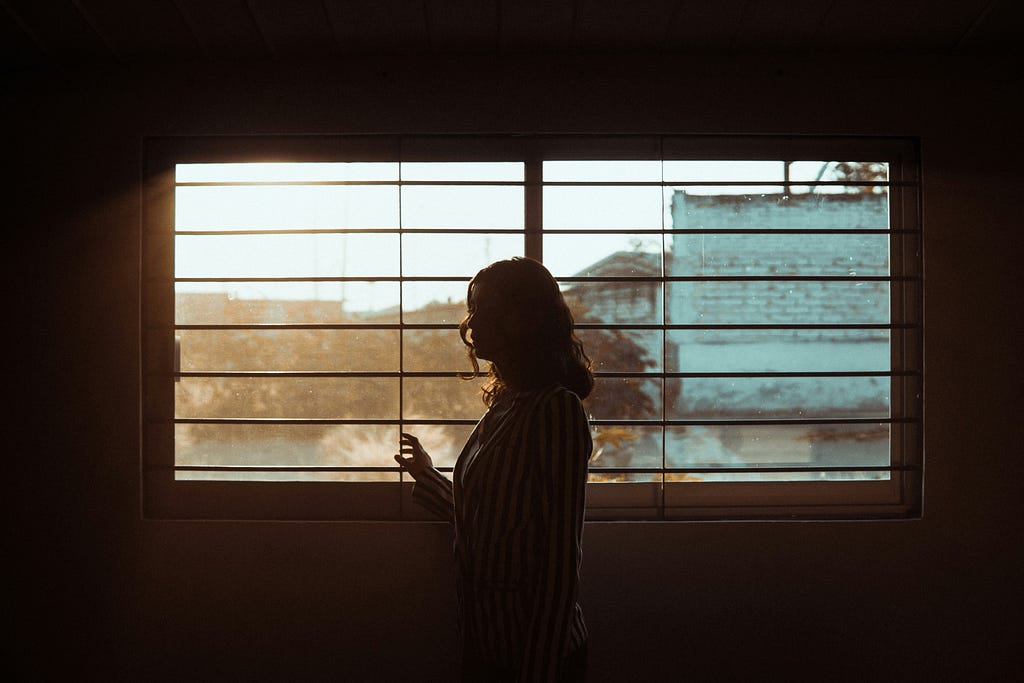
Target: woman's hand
416, 459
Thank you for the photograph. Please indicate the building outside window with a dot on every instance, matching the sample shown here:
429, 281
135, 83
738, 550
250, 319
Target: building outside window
750, 305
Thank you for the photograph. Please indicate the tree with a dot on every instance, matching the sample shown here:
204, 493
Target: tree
862, 172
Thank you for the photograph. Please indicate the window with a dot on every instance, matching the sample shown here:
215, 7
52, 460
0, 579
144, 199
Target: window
751, 305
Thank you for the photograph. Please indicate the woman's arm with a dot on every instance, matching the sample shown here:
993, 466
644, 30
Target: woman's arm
563, 450
432, 489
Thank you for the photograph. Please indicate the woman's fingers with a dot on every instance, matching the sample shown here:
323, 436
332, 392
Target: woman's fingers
412, 456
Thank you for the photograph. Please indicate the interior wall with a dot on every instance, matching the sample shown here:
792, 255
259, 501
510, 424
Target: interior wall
102, 593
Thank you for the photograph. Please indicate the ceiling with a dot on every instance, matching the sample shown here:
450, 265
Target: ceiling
36, 33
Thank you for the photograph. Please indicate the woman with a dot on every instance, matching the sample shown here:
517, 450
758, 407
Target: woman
516, 498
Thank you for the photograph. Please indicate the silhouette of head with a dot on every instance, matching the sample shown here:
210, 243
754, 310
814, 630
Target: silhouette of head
517, 318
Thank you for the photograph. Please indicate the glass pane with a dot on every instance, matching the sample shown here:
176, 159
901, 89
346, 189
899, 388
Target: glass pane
244, 303
759, 397
772, 208
299, 255
440, 255
253, 446
456, 207
712, 255
327, 350
442, 398
782, 302
609, 255
625, 398
285, 207
626, 446
777, 351
603, 207
511, 171
623, 350
435, 351
838, 171
285, 172
359, 398
698, 171
615, 302
602, 171
435, 301
859, 445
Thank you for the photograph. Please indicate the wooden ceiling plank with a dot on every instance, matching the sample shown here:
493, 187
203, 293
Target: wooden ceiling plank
18, 47
943, 23
381, 27
464, 25
295, 28
703, 26
884, 26
536, 25
63, 31
223, 29
611, 24
140, 29
786, 27
999, 28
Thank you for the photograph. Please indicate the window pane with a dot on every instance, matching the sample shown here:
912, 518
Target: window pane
463, 170
623, 350
615, 302
285, 207
603, 207
626, 446
360, 398
602, 171
441, 398
833, 171
436, 301
435, 351
782, 302
704, 171
299, 255
432, 255
253, 446
244, 303
772, 208
837, 445
327, 350
777, 351
784, 254
456, 207
285, 172
757, 397
625, 398
608, 255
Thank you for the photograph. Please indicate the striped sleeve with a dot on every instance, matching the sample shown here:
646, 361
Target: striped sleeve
564, 447
433, 491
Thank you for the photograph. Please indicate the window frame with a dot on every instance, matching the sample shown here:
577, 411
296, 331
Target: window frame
167, 498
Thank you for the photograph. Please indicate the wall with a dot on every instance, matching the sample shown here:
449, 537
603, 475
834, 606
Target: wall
101, 593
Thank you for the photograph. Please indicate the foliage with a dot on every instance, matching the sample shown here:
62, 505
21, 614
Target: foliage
862, 171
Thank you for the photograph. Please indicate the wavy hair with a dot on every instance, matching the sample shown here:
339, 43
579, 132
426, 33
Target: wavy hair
545, 349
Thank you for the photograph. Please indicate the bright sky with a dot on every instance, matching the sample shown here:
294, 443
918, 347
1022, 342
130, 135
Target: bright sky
290, 203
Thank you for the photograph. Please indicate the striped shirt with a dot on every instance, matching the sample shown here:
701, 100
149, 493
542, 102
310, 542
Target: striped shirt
517, 502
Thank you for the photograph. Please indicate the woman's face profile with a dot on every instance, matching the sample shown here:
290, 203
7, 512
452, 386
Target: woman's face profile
487, 331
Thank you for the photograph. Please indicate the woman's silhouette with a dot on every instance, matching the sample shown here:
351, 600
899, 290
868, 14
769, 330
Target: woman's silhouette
516, 498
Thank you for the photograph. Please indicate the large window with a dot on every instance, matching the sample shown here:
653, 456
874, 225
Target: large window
751, 306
